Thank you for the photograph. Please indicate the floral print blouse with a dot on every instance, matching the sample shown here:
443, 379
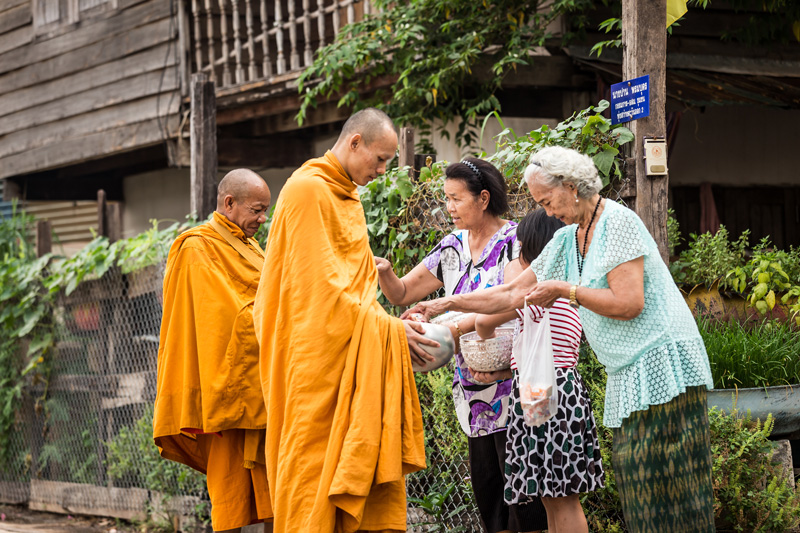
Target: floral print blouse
481, 408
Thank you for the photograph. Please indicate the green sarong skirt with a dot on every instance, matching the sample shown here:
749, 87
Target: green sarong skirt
662, 463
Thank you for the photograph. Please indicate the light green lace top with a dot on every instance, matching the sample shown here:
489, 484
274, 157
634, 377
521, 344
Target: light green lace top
652, 358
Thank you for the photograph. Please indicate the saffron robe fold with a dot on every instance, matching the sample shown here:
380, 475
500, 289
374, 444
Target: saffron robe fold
208, 379
343, 418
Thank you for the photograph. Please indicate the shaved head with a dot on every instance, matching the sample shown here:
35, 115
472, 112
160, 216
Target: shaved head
370, 123
239, 183
243, 197
366, 145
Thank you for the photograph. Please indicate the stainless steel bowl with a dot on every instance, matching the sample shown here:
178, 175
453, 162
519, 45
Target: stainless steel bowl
443, 353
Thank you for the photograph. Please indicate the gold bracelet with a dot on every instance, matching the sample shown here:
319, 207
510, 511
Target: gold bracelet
458, 330
573, 297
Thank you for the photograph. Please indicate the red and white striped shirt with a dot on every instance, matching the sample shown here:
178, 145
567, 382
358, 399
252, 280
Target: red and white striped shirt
565, 332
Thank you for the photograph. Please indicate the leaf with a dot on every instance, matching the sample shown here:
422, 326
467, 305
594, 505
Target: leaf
759, 291
624, 135
770, 299
40, 344
603, 160
405, 188
31, 320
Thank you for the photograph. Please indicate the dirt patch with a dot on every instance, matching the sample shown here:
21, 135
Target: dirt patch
19, 519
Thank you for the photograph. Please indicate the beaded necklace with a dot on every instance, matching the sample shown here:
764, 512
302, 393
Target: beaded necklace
582, 255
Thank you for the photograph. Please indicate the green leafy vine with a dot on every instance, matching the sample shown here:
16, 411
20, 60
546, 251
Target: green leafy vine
443, 59
29, 287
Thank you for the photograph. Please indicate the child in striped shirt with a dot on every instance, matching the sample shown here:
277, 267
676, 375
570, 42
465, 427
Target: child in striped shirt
560, 459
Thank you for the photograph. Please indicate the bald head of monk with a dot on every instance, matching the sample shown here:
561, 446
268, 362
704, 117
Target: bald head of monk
243, 198
366, 145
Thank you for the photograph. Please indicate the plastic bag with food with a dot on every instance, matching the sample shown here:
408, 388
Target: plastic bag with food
533, 352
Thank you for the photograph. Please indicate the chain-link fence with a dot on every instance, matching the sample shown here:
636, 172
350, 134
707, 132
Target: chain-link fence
84, 434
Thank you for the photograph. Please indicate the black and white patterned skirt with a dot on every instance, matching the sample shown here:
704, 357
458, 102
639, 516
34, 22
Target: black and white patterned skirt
562, 456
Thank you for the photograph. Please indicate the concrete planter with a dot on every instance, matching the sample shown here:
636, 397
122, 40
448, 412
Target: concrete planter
783, 402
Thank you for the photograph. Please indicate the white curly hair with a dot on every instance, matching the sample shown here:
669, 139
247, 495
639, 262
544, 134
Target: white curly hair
555, 165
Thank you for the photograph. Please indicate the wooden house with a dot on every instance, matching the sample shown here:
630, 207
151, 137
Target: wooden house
95, 94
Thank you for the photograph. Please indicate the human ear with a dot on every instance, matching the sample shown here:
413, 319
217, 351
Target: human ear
355, 140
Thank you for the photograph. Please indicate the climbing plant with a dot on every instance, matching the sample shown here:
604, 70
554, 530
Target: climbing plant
29, 286
446, 59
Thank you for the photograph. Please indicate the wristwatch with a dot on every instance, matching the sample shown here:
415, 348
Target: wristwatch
573, 300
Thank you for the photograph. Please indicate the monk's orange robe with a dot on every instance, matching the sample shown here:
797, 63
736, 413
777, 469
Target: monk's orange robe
343, 419
208, 379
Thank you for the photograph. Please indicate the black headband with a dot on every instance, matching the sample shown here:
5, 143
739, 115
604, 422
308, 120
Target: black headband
477, 173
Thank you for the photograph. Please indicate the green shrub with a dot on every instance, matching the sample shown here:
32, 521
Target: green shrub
763, 354
673, 232
709, 258
768, 274
134, 458
751, 493
603, 507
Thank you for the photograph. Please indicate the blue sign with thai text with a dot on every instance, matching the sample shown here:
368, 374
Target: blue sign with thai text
630, 100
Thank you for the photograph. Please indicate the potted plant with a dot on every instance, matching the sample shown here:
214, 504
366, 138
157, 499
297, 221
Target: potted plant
770, 280
700, 270
756, 368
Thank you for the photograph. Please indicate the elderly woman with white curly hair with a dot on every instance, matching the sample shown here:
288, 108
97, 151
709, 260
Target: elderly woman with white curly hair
608, 266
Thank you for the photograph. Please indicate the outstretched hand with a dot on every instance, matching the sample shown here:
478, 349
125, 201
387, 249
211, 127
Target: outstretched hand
545, 293
415, 333
428, 309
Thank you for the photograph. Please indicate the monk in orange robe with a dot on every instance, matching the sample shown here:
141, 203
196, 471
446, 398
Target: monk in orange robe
209, 410
343, 418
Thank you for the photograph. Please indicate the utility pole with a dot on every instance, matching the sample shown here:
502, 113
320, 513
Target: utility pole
644, 52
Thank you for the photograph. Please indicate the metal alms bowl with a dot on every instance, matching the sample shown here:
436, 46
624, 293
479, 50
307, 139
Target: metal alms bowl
443, 353
488, 355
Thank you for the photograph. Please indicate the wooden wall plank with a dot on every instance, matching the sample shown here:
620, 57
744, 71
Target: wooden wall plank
15, 17
104, 118
105, 51
92, 146
13, 40
128, 19
10, 4
74, 103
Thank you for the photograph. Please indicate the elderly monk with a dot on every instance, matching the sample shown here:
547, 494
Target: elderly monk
343, 417
209, 411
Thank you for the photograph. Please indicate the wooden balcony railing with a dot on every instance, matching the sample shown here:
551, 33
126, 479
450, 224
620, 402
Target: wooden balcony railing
243, 41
